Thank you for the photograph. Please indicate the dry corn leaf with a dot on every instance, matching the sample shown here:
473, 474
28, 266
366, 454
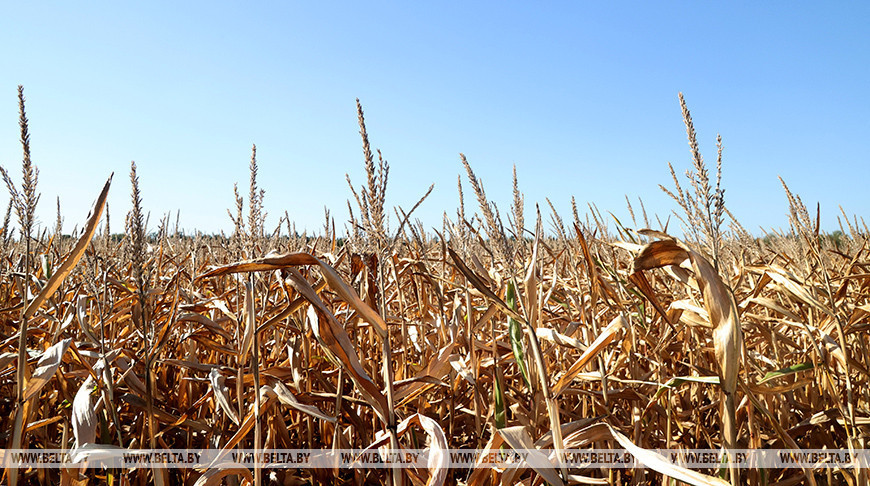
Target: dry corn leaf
519, 440
287, 398
722, 310
268, 397
45, 368
74, 256
336, 343
437, 463
660, 463
770, 304
600, 342
720, 305
797, 290
296, 259
438, 445
478, 283
219, 389
207, 323
530, 283
250, 324
480, 474
461, 366
84, 416
560, 339
436, 369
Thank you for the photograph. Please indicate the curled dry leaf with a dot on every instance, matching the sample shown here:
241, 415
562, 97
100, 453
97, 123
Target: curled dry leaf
219, 389
796, 290
718, 300
250, 323
437, 369
553, 336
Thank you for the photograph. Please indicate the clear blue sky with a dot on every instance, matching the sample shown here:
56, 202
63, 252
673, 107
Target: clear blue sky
581, 96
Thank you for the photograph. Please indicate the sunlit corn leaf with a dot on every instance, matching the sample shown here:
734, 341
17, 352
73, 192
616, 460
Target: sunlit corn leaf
437, 369
130, 379
46, 367
84, 416
82, 315
461, 367
438, 445
93, 452
287, 398
600, 342
336, 343
560, 339
797, 290
219, 389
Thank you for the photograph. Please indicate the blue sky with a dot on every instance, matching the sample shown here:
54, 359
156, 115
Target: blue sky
581, 96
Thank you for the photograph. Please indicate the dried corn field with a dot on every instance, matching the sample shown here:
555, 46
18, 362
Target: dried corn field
540, 334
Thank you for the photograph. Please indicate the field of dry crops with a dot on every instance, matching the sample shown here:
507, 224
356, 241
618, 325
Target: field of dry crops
538, 333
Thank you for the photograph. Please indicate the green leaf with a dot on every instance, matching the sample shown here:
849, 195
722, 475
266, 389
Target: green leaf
500, 415
789, 370
516, 336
